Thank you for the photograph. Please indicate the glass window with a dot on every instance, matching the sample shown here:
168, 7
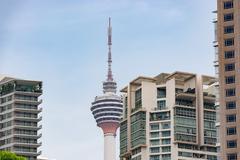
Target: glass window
211, 157
230, 92
165, 125
230, 67
154, 135
228, 4
154, 142
155, 157
161, 104
232, 144
155, 126
228, 17
231, 118
155, 150
161, 93
230, 79
228, 29
208, 115
232, 156
166, 141
165, 133
166, 149
185, 154
159, 116
229, 42
186, 112
231, 131
229, 54
138, 98
231, 105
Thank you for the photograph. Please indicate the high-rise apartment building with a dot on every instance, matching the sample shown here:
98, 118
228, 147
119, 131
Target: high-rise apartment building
227, 46
19, 116
169, 117
107, 108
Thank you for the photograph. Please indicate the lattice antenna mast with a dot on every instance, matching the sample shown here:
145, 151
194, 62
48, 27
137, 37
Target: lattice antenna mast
109, 86
110, 75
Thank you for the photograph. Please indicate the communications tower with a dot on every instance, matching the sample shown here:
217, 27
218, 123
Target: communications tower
107, 108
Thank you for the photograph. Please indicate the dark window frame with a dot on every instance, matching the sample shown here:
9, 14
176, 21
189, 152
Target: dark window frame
231, 130
232, 144
228, 29
229, 67
228, 17
230, 79
231, 105
229, 54
232, 156
230, 92
231, 118
229, 42
228, 4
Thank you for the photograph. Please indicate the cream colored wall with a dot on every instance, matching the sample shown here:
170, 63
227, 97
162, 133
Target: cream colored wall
170, 102
199, 110
128, 117
124, 107
149, 95
170, 90
190, 84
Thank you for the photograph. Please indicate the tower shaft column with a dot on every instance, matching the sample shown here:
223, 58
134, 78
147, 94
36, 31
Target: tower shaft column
109, 146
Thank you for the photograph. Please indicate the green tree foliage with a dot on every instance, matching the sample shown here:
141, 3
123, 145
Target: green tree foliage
9, 156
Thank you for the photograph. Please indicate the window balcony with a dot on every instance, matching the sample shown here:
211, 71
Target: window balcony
28, 144
33, 102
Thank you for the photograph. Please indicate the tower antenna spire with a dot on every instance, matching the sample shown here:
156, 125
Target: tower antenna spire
109, 86
109, 76
107, 109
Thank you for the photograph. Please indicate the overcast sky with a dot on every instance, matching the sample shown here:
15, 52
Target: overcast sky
64, 44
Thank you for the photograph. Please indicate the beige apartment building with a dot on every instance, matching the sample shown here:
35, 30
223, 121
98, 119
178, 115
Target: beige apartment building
228, 67
169, 117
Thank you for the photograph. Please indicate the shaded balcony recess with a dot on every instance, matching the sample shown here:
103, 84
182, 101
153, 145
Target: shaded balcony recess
159, 116
21, 86
185, 102
189, 94
208, 105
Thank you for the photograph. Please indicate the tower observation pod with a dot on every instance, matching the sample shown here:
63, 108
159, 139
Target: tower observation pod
107, 109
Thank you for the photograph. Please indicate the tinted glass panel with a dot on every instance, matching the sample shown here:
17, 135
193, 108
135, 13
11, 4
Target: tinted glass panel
228, 29
230, 92
230, 67
232, 144
229, 54
231, 118
228, 17
231, 131
228, 4
231, 105
229, 42
230, 79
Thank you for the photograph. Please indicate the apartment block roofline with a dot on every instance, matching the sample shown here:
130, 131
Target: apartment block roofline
177, 74
5, 79
209, 79
138, 80
181, 75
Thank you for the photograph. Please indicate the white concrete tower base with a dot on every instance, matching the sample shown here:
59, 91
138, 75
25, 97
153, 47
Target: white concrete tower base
109, 146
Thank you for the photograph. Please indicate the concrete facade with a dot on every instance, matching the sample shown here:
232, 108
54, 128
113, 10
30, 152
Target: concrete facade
227, 44
169, 117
